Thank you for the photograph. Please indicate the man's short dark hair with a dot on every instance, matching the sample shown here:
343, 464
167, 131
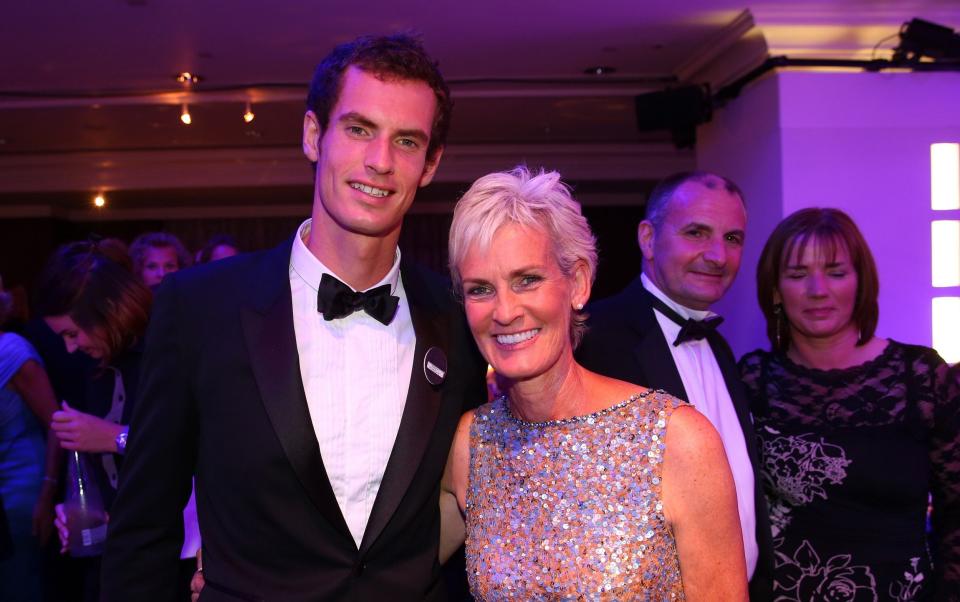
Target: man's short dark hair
655, 211
397, 56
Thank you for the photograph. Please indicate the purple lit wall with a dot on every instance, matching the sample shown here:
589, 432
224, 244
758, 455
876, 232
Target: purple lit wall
856, 141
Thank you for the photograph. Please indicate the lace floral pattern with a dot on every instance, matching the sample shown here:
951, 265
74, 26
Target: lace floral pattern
804, 576
799, 468
849, 457
909, 587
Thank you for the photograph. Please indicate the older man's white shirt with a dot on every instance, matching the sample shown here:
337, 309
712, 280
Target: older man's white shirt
707, 391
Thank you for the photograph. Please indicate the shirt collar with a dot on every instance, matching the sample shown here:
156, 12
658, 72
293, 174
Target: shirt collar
683, 310
306, 265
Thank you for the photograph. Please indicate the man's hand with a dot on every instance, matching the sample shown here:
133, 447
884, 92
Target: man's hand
78, 431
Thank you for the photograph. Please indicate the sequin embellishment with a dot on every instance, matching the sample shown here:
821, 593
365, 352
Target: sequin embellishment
571, 509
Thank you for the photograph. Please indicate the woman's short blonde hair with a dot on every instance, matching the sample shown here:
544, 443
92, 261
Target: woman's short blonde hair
540, 201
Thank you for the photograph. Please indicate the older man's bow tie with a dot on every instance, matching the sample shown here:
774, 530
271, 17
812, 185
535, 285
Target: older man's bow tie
337, 300
690, 329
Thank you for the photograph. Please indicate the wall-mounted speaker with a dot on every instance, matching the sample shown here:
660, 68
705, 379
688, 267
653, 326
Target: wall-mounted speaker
679, 110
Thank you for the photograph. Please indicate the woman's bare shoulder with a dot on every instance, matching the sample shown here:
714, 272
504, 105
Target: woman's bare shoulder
691, 439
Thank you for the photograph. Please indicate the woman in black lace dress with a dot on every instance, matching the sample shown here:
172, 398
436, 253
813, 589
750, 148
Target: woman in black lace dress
857, 432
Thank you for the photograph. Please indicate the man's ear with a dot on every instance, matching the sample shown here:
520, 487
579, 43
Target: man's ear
646, 236
311, 136
430, 167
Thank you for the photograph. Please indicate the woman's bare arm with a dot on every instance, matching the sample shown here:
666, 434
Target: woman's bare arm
701, 504
453, 490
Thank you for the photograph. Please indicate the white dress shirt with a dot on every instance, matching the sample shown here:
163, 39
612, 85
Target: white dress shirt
355, 373
707, 391
191, 527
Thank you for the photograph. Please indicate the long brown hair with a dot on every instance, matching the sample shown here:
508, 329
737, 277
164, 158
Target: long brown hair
92, 283
834, 229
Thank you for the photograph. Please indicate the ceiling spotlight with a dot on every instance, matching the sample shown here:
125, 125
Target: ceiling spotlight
185, 77
185, 115
248, 115
99, 201
600, 70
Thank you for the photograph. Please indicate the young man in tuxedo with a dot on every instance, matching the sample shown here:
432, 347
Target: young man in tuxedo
659, 332
313, 389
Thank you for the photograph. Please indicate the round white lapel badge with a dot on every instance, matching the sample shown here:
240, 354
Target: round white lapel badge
435, 366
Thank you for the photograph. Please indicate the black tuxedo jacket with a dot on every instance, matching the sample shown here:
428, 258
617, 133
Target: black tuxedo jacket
624, 341
222, 397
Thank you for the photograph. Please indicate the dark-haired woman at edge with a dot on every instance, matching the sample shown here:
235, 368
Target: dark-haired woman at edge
88, 296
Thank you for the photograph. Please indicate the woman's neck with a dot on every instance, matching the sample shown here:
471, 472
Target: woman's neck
557, 394
832, 352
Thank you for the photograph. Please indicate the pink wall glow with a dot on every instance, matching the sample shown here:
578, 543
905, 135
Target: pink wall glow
856, 141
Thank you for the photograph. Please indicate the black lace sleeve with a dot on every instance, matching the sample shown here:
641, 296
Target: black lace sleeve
945, 485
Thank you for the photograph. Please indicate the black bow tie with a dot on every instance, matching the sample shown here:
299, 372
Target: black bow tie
337, 300
690, 329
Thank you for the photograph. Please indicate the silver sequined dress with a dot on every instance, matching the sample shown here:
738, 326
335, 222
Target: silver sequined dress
571, 509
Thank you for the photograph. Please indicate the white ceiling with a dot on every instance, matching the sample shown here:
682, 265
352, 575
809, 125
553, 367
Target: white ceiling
134, 45
88, 99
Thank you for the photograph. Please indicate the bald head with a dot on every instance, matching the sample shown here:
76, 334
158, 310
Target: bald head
692, 237
665, 190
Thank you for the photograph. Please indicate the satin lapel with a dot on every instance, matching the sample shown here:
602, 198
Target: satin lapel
653, 351
419, 414
268, 330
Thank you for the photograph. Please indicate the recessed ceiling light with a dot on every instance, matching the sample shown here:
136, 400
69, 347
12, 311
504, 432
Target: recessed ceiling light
248, 115
99, 201
186, 77
600, 70
185, 115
